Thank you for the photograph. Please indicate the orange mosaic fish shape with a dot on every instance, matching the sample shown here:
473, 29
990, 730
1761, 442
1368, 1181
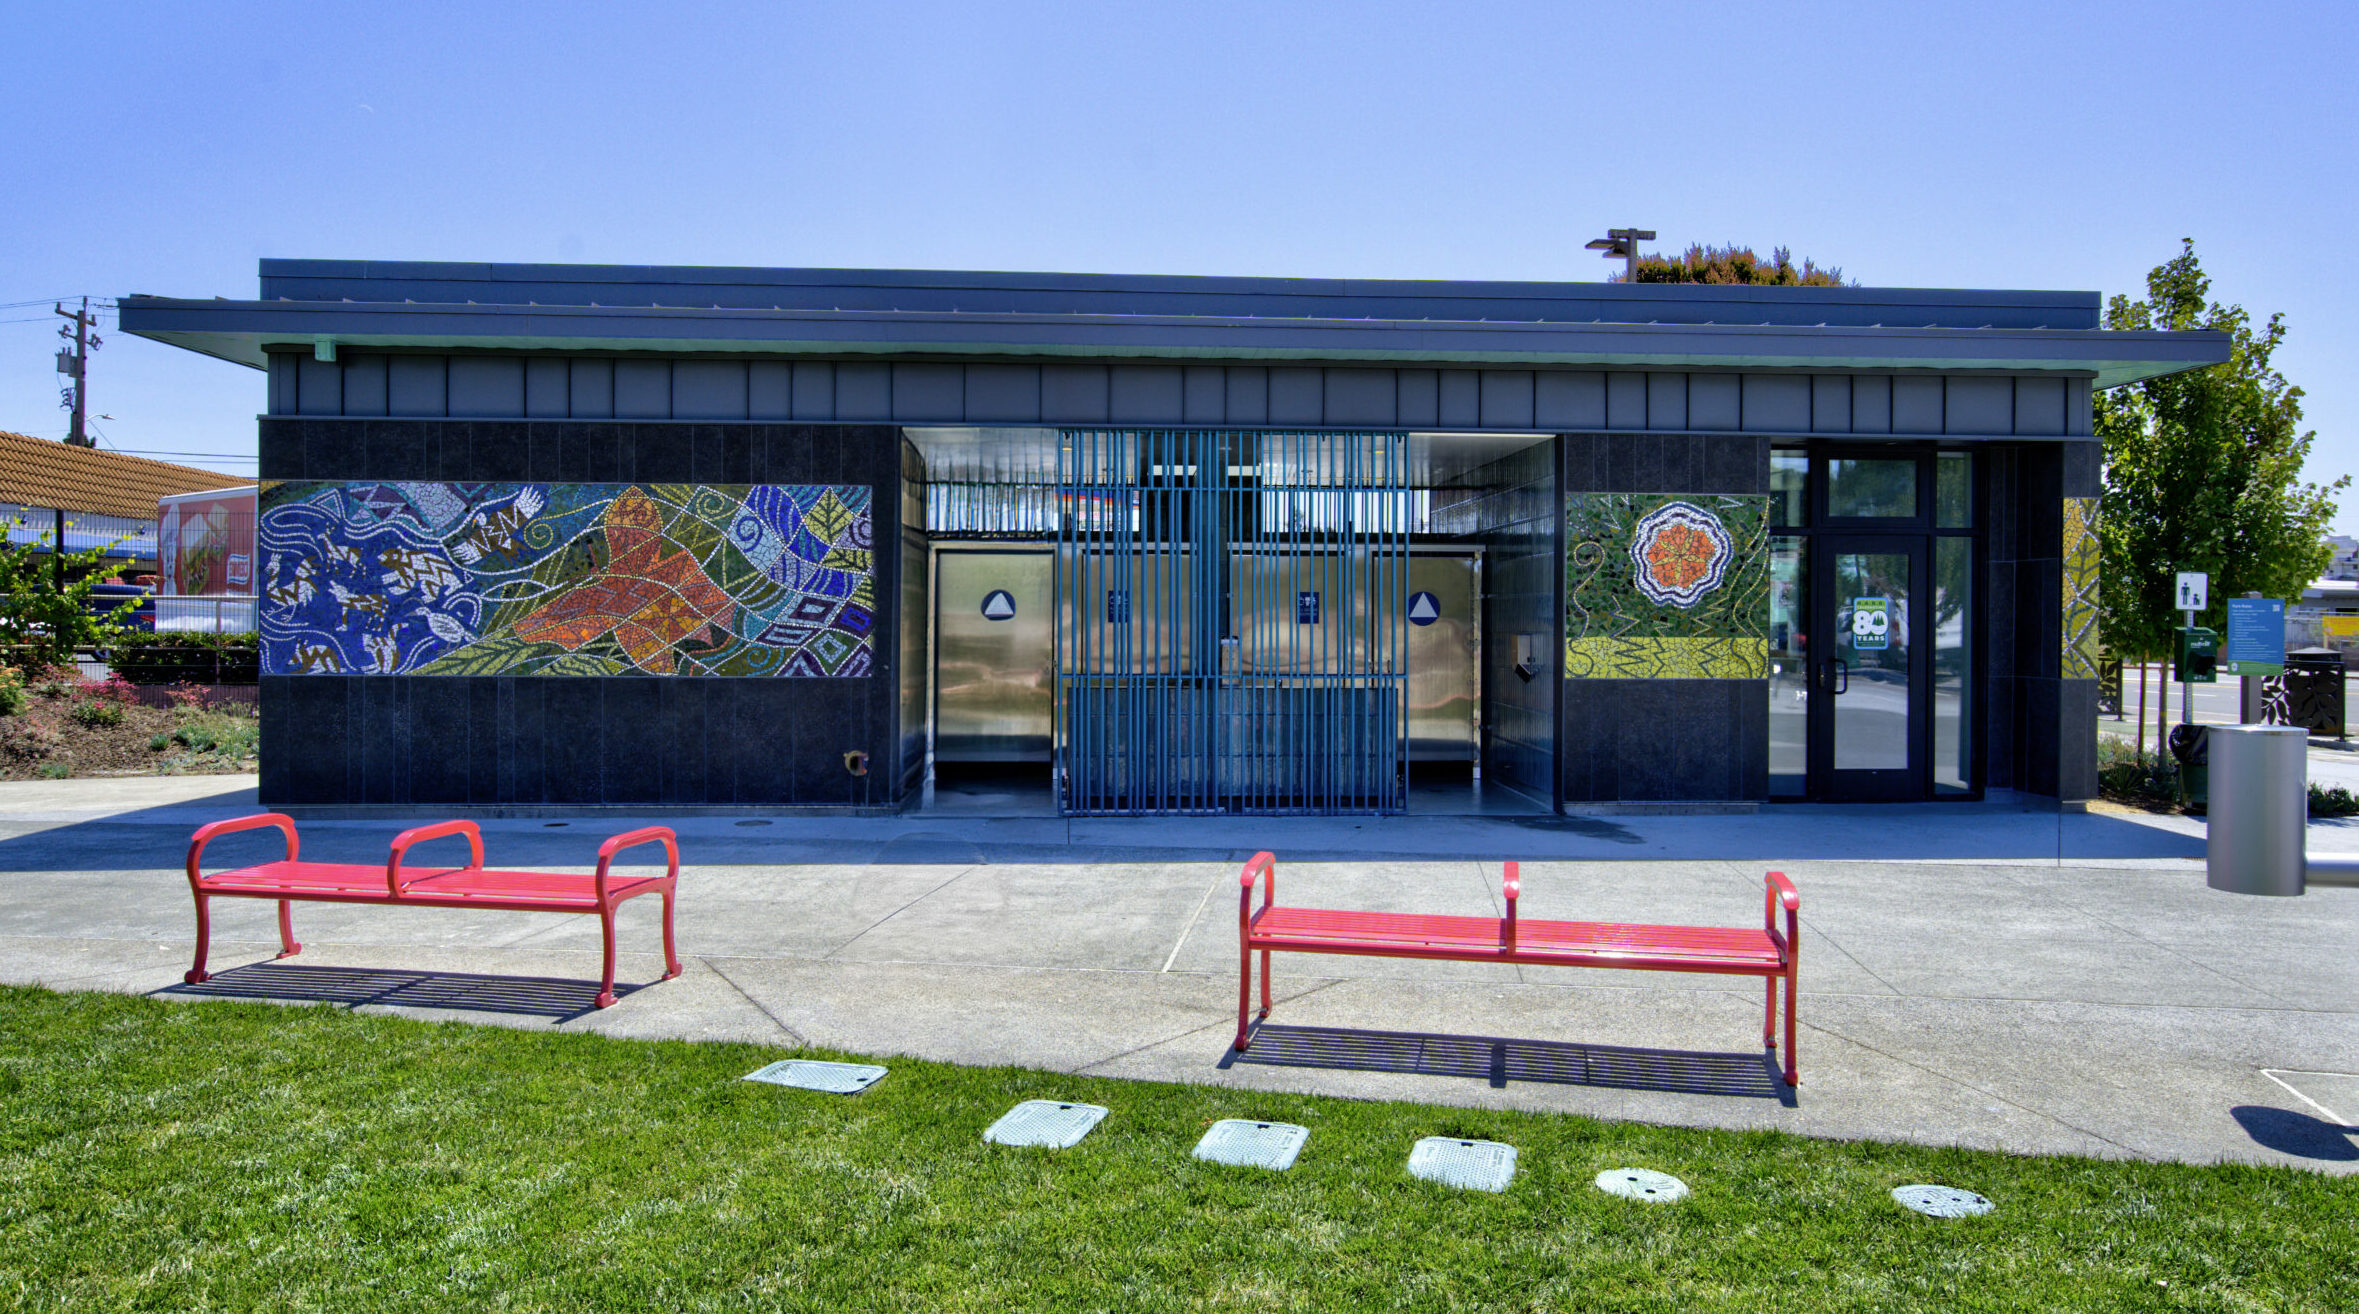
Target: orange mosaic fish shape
649, 599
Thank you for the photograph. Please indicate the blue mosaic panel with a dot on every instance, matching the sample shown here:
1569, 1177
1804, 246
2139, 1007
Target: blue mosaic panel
566, 579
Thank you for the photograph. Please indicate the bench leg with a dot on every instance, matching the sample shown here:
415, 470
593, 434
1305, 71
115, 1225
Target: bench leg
1793, 1072
606, 980
287, 948
671, 959
1769, 1018
1245, 996
197, 975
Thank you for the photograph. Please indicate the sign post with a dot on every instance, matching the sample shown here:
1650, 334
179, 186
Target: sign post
2194, 588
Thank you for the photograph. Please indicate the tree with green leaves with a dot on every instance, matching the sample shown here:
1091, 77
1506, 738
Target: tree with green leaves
45, 605
2203, 471
1733, 264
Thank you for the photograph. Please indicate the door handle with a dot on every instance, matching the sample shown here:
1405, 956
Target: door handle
1838, 679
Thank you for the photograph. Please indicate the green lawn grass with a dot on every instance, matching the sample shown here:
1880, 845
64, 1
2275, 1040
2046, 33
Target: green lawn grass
229, 1156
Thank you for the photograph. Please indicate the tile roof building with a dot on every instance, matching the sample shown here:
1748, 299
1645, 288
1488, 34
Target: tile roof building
107, 497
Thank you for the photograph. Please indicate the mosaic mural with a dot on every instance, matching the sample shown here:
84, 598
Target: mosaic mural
2080, 588
566, 579
1666, 587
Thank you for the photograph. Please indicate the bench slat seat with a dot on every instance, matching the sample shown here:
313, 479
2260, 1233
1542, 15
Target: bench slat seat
1476, 939
347, 882
292, 880
1768, 952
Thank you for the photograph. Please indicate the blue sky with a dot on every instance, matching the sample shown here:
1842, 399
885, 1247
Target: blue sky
165, 148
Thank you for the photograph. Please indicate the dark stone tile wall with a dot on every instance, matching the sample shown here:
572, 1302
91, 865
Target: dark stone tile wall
1664, 740
492, 741
1512, 508
2041, 728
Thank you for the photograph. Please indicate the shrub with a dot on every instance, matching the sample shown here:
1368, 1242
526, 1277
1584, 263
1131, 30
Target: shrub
12, 691
2335, 802
2124, 775
235, 737
95, 713
54, 771
158, 743
113, 689
30, 740
182, 658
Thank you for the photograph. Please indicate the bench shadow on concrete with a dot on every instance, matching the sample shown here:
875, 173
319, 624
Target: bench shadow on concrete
555, 998
2297, 1134
1500, 1060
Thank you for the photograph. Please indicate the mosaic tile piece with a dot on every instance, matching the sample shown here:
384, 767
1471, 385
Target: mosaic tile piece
1666, 587
566, 579
2081, 554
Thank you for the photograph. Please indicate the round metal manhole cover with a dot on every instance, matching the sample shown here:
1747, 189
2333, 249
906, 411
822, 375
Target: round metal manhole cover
1941, 1201
1641, 1184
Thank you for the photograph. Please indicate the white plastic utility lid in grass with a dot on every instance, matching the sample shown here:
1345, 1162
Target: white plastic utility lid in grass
1641, 1184
1243, 1144
1941, 1201
811, 1074
1046, 1123
1470, 1165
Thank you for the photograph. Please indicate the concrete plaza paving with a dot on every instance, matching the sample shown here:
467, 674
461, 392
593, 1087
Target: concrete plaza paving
1996, 976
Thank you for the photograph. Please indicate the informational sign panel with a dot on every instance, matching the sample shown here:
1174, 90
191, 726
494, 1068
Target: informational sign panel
1424, 608
1871, 623
1306, 608
2194, 590
2256, 637
1118, 606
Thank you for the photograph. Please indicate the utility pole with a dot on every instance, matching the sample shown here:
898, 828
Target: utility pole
74, 363
1623, 242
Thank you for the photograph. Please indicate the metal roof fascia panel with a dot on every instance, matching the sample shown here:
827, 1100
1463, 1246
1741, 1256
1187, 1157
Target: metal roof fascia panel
489, 327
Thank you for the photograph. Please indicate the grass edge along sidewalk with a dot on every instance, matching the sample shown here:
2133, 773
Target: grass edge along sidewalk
170, 1155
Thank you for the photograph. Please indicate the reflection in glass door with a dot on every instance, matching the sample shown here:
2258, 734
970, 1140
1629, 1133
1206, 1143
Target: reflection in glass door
1870, 677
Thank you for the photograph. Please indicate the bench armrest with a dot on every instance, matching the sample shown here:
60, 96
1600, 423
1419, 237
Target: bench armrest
419, 835
1513, 887
1265, 865
1777, 890
631, 838
196, 843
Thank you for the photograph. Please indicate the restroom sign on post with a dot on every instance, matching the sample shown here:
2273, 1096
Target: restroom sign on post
2193, 586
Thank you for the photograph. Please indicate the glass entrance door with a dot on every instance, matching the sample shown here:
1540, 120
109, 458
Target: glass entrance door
1870, 681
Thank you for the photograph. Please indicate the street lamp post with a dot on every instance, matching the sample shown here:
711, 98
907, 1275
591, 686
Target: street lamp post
1623, 243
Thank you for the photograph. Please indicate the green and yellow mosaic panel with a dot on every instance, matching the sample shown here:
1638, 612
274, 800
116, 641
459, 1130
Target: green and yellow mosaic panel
1666, 587
2080, 588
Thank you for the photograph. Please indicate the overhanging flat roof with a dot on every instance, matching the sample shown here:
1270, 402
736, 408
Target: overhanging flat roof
906, 313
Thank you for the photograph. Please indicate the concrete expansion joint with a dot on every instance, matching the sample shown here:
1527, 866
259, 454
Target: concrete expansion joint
710, 966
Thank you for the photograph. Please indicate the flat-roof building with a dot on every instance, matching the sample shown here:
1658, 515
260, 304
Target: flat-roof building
540, 535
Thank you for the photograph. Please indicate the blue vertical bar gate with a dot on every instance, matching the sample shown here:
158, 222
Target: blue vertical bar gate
1231, 627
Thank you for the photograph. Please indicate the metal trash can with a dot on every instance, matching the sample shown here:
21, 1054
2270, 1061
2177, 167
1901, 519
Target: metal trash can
2260, 805
2190, 748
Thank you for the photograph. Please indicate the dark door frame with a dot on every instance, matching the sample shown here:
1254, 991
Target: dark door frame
1922, 531
1829, 680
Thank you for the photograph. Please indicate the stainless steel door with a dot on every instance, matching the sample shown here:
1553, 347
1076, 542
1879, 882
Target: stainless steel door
1442, 659
993, 656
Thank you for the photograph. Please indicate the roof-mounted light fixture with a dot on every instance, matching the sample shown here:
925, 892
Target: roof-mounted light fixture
1623, 243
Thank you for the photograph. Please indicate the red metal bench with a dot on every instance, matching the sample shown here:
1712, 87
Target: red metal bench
472, 886
1768, 953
